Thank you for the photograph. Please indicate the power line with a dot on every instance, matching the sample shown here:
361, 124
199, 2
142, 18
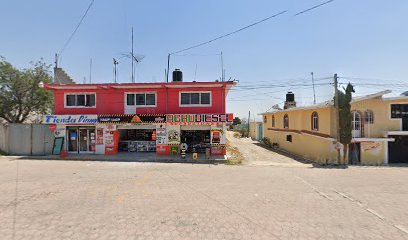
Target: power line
76, 28
314, 7
251, 25
231, 33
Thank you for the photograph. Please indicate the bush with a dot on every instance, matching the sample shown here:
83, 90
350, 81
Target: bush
244, 132
267, 141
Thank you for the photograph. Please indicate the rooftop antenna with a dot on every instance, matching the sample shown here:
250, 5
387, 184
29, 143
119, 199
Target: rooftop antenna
133, 58
90, 71
115, 73
222, 68
195, 73
133, 73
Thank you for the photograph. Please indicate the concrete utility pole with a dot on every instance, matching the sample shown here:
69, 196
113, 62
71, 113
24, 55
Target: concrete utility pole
249, 120
314, 93
336, 104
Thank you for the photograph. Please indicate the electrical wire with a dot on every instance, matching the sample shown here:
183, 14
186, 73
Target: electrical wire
231, 33
314, 7
76, 28
251, 25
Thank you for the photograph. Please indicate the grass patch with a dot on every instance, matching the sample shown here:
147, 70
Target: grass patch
2, 153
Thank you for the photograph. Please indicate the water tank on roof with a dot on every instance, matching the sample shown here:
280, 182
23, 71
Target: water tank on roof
177, 75
290, 97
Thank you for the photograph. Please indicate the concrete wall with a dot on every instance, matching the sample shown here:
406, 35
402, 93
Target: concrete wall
3, 138
253, 128
26, 139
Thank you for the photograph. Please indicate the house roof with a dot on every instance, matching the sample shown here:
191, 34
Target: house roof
330, 103
370, 96
54, 86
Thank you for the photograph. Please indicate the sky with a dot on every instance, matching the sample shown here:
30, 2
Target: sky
364, 42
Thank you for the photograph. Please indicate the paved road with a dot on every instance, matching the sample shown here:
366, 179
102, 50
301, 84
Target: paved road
255, 154
107, 200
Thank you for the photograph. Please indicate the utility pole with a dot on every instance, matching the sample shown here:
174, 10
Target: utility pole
314, 93
249, 119
336, 103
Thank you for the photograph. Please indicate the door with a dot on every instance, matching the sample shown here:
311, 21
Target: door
260, 132
83, 140
356, 125
404, 123
72, 135
398, 150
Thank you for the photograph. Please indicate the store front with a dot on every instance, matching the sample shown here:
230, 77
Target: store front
160, 133
81, 139
137, 138
136, 132
197, 138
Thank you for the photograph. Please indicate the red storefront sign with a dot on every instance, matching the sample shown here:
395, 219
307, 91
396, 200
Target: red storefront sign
199, 118
52, 127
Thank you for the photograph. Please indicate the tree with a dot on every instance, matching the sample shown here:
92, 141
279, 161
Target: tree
236, 121
345, 118
21, 96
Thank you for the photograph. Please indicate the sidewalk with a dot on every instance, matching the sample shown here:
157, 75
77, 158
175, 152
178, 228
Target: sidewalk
128, 157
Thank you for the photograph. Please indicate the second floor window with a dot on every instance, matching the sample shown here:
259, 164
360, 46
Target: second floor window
141, 99
286, 121
195, 98
369, 117
80, 100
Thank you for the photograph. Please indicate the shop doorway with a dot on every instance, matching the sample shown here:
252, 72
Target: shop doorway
196, 139
81, 139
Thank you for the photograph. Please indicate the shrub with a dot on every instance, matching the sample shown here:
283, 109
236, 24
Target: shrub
267, 141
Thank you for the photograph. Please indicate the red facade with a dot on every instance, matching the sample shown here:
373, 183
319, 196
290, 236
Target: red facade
111, 98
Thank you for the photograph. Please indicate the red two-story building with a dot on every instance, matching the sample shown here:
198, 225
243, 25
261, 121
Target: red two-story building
140, 117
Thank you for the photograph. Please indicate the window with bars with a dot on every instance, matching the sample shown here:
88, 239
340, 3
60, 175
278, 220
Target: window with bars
80, 100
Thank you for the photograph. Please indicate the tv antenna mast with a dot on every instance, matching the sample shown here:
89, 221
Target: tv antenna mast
134, 58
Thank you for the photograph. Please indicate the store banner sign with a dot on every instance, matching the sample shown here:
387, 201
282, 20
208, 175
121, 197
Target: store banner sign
200, 118
70, 119
132, 118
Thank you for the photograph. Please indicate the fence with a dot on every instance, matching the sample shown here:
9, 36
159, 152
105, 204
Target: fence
26, 139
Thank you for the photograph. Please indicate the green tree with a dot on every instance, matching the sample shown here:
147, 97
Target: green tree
236, 121
21, 96
345, 118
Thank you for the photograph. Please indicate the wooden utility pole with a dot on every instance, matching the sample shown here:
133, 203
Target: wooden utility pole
336, 104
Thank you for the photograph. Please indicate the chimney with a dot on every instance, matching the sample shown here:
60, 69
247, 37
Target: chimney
290, 100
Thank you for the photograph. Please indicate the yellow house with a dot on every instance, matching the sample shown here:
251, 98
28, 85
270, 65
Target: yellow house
380, 130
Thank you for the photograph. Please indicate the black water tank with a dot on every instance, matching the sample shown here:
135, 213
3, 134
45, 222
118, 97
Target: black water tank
290, 97
177, 75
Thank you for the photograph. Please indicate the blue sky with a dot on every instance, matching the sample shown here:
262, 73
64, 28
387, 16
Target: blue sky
366, 40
